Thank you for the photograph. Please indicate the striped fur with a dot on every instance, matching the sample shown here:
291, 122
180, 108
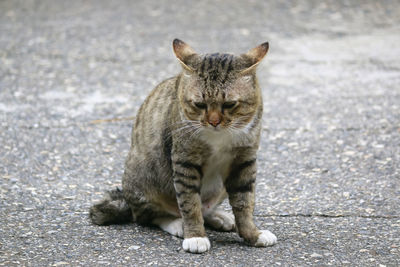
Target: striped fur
194, 142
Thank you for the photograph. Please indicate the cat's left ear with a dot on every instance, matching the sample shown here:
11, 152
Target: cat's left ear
184, 53
254, 57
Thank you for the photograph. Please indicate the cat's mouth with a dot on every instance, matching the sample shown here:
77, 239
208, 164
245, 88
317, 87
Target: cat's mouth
214, 129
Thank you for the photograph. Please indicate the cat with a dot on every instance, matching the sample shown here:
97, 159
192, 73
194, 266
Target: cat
194, 144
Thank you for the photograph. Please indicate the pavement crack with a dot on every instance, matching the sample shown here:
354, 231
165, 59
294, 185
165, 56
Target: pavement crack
331, 216
336, 129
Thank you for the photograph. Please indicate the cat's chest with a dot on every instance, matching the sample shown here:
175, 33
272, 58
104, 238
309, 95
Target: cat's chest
217, 166
221, 156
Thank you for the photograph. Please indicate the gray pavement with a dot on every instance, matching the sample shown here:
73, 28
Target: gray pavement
74, 73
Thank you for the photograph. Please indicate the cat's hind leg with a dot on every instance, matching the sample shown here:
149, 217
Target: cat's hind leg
171, 225
111, 210
220, 220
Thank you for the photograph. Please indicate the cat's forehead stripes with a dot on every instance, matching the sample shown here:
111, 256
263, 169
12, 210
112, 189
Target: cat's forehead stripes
215, 68
213, 73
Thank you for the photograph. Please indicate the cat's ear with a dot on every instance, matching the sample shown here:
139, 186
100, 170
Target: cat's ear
254, 57
183, 52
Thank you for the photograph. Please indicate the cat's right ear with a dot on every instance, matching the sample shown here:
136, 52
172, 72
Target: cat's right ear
183, 52
254, 57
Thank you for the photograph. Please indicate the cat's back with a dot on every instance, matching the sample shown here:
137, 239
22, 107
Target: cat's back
153, 115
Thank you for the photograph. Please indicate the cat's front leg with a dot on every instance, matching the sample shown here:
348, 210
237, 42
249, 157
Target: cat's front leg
187, 177
240, 186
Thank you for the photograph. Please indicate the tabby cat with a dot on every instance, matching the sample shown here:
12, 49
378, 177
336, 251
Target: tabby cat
194, 143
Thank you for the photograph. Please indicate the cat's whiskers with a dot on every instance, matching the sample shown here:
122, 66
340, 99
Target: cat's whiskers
183, 122
182, 128
186, 124
241, 123
178, 132
190, 127
241, 129
185, 130
194, 134
230, 131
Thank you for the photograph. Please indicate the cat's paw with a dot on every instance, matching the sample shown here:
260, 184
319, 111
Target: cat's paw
221, 220
174, 226
265, 239
196, 244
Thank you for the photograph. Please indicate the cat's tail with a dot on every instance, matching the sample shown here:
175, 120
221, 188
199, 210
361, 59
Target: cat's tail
113, 209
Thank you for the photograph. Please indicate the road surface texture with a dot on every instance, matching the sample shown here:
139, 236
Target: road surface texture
74, 73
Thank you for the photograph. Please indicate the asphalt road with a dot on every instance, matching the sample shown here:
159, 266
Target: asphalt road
74, 73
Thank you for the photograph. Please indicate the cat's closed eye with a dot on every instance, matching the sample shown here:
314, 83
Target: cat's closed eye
200, 105
228, 105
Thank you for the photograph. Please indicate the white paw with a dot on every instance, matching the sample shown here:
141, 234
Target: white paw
265, 239
221, 220
170, 225
196, 244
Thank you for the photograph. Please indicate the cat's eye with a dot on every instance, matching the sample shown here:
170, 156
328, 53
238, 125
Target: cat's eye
228, 105
200, 105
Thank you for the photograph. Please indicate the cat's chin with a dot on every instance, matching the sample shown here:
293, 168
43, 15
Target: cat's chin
213, 130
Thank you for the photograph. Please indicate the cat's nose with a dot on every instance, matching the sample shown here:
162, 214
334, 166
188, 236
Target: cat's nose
214, 123
214, 119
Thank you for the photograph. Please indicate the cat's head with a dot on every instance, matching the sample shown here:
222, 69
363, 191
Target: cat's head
219, 91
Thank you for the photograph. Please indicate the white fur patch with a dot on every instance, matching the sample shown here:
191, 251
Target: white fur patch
221, 220
217, 165
265, 239
217, 139
196, 244
174, 226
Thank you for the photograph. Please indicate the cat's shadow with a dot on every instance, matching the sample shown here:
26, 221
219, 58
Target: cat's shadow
216, 237
225, 238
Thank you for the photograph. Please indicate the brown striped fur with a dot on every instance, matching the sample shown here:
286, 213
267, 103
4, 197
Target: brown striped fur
194, 143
